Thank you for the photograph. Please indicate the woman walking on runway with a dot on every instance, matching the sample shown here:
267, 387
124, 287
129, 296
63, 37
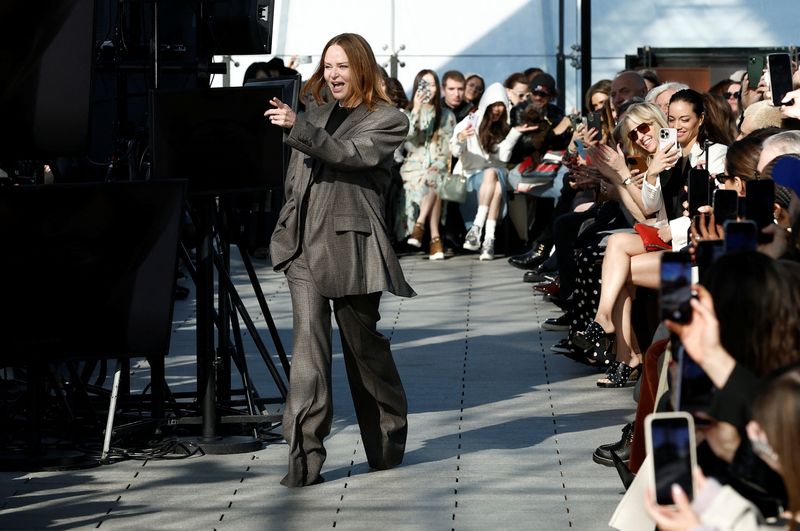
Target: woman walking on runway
332, 244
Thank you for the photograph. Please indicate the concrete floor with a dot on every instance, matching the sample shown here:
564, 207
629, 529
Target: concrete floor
501, 431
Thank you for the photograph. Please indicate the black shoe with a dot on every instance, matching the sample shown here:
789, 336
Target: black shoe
533, 258
558, 324
537, 276
602, 454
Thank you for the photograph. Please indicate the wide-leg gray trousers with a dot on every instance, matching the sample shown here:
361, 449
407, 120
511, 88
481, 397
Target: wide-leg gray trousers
378, 395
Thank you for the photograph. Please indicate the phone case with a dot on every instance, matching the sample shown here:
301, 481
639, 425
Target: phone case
667, 136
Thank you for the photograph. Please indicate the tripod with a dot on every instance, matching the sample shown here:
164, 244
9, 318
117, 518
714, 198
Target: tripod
210, 217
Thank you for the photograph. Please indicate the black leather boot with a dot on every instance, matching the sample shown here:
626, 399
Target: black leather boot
602, 454
533, 258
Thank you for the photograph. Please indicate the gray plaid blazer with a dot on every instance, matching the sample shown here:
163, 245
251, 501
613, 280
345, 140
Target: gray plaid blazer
338, 222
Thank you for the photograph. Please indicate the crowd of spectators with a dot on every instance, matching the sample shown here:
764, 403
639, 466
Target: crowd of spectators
615, 204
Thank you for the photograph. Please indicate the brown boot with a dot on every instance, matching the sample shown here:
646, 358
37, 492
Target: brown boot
437, 251
415, 240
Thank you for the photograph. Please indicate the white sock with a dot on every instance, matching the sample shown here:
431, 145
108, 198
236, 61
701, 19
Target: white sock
480, 217
488, 231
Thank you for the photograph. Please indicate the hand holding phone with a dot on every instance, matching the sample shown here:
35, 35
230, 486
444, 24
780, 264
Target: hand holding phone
594, 120
755, 69
699, 193
671, 445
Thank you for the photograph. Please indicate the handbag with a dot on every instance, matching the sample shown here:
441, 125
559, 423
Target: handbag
650, 239
527, 174
453, 188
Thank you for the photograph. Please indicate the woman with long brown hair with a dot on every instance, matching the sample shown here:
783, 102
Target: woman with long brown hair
427, 160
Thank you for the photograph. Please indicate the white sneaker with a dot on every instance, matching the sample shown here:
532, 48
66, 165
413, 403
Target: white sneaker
487, 249
472, 242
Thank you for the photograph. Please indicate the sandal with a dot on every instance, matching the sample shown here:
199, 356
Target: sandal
598, 344
622, 375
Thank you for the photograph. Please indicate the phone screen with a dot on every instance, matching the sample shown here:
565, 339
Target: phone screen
760, 206
779, 66
672, 456
698, 190
740, 236
676, 287
726, 205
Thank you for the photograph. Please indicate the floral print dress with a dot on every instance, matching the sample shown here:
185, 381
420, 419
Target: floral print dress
427, 158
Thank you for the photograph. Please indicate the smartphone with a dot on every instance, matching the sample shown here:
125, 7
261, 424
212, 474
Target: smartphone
473, 120
760, 206
740, 236
580, 148
693, 389
707, 252
667, 136
670, 443
755, 68
698, 189
676, 286
726, 205
779, 76
636, 162
424, 90
594, 120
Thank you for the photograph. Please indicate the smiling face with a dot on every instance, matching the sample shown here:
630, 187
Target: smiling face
683, 118
643, 134
337, 72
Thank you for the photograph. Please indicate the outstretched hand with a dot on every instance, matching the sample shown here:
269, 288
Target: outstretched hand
281, 114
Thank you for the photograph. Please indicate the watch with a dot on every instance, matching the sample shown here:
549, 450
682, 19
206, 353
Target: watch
628, 181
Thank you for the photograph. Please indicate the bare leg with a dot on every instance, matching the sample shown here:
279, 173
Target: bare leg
426, 206
616, 270
497, 200
487, 190
436, 214
646, 270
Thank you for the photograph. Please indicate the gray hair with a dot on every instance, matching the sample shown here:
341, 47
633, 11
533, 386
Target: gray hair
657, 91
784, 143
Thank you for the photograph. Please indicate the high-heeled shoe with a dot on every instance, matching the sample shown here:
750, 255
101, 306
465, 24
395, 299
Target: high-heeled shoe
620, 374
598, 343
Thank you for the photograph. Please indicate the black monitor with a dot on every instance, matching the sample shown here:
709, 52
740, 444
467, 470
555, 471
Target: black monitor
46, 64
218, 138
88, 270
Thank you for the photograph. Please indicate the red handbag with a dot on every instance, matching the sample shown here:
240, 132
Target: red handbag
650, 238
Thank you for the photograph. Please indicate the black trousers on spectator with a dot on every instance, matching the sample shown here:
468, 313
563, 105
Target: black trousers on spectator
565, 232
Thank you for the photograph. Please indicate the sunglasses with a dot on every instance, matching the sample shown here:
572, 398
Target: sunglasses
721, 178
732, 95
642, 128
539, 93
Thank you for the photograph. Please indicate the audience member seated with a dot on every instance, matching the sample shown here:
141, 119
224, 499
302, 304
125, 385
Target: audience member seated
427, 161
483, 146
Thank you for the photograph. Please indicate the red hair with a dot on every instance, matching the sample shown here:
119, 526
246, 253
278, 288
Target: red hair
366, 78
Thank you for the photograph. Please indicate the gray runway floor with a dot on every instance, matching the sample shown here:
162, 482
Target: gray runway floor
501, 431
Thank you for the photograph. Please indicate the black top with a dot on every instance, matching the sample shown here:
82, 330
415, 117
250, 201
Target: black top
336, 118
